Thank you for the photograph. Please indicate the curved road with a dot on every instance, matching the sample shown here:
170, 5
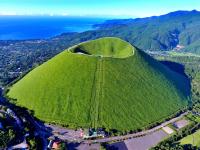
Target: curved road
142, 133
67, 134
22, 145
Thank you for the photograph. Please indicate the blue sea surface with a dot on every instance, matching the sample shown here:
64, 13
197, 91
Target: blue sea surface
43, 27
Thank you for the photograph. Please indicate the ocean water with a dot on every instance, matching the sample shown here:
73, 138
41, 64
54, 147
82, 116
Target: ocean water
43, 27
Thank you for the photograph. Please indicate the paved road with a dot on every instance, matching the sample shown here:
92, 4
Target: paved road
39, 129
64, 133
84, 147
67, 134
22, 145
142, 133
140, 143
3, 112
17, 119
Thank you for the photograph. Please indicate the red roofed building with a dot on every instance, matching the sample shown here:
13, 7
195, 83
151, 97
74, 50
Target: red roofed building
56, 145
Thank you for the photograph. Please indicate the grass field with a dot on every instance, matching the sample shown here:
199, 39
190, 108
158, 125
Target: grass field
173, 53
125, 89
193, 139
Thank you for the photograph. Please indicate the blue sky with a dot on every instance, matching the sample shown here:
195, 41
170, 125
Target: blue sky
121, 8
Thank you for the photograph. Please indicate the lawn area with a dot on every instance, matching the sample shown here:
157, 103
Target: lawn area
193, 139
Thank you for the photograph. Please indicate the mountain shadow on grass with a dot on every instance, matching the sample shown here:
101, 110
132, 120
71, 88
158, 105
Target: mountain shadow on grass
180, 69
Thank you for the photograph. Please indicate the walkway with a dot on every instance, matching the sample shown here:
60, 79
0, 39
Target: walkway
96, 93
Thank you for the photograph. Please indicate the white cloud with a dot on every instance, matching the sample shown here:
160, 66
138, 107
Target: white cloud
7, 13
64, 14
12, 13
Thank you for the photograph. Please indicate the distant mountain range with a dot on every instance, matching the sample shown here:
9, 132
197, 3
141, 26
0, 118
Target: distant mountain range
178, 30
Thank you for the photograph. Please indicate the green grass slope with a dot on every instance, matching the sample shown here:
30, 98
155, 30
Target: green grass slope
193, 139
124, 89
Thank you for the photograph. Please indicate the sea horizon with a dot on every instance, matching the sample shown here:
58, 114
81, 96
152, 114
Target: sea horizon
43, 27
